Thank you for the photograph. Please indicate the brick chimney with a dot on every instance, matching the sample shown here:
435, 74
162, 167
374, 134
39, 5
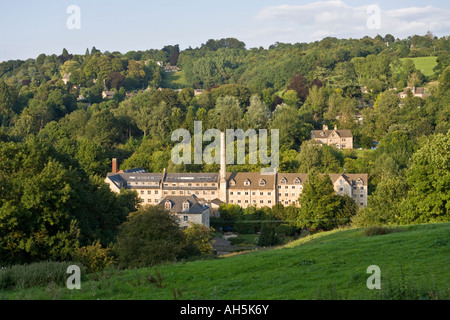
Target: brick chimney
115, 167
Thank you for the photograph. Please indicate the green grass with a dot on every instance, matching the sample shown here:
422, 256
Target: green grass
424, 64
174, 80
414, 264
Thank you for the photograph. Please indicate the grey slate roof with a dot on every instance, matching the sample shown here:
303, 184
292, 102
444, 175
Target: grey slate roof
195, 206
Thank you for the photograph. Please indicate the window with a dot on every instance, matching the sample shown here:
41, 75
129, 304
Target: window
262, 182
205, 192
279, 194
168, 205
341, 189
246, 201
238, 193
287, 187
174, 184
246, 193
293, 194
361, 195
297, 181
361, 204
166, 192
261, 193
239, 201
186, 205
156, 191
269, 201
185, 218
149, 200
253, 193
261, 201
283, 181
149, 192
231, 192
293, 187
173, 192
269, 193
142, 191
286, 194
247, 182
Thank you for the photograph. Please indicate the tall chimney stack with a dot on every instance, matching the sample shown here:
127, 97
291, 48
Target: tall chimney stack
223, 158
115, 167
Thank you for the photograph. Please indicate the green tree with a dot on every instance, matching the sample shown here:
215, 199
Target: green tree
149, 237
428, 176
319, 204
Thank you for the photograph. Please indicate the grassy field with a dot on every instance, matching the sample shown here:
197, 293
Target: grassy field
174, 80
424, 64
414, 264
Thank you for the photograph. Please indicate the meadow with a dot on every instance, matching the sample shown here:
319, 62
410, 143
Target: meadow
413, 260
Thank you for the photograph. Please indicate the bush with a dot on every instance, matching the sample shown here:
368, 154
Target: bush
35, 275
268, 235
198, 239
94, 258
149, 237
380, 230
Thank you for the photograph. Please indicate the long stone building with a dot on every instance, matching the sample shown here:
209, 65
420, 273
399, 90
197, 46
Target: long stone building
211, 189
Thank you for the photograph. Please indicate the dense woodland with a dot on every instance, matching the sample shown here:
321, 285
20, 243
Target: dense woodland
57, 139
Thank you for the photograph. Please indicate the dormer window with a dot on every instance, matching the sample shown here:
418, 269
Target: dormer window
186, 205
168, 205
283, 181
247, 182
232, 182
262, 183
297, 181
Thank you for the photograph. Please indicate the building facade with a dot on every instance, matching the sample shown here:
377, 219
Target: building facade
341, 139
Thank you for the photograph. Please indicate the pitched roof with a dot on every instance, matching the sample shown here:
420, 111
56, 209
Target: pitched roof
255, 178
291, 177
177, 204
324, 134
192, 177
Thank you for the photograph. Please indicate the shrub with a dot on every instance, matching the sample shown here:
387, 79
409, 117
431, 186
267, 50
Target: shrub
35, 275
198, 239
149, 237
268, 235
380, 230
94, 258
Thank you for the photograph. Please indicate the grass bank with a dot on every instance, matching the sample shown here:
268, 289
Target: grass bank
413, 261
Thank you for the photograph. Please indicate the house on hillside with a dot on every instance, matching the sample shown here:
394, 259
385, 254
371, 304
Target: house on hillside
416, 92
189, 209
66, 78
108, 94
171, 69
341, 139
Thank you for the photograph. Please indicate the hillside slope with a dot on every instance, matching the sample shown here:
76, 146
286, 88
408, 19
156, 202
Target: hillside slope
413, 263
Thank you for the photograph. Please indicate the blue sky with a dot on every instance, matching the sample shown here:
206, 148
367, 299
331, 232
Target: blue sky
28, 28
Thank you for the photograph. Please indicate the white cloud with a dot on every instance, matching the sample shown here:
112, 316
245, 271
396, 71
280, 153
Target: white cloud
316, 20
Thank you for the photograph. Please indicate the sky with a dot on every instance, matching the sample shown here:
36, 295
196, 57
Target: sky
29, 28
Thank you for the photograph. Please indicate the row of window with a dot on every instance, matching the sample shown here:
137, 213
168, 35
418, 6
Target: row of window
247, 193
182, 184
180, 192
253, 201
292, 187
